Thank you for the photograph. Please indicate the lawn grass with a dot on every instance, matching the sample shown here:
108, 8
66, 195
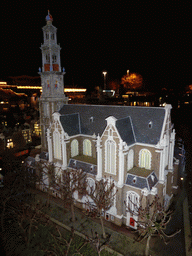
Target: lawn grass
118, 242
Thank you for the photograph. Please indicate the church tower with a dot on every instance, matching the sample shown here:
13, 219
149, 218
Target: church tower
52, 79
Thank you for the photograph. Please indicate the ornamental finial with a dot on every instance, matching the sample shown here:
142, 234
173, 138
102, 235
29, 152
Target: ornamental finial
49, 18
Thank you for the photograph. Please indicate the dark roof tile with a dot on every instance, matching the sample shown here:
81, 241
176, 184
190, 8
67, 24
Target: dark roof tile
92, 120
86, 167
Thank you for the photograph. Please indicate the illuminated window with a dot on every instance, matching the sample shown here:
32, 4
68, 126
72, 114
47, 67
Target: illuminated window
130, 160
145, 159
74, 148
87, 148
37, 129
57, 145
9, 143
110, 159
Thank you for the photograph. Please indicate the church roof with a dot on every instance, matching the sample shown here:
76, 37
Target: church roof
71, 124
136, 179
134, 124
128, 133
86, 167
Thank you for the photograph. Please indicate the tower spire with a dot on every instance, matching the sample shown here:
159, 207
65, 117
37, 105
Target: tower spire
52, 80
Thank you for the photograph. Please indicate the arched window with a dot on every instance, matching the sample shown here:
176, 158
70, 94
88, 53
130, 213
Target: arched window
57, 145
90, 185
87, 148
110, 160
47, 58
132, 202
130, 160
145, 158
74, 148
54, 58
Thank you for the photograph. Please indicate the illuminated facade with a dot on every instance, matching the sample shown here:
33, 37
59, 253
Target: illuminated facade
52, 80
134, 146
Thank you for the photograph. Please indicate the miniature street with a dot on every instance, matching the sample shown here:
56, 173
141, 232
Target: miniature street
122, 238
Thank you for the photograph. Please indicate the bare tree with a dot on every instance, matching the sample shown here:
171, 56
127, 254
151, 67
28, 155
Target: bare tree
46, 175
103, 195
152, 220
96, 242
71, 182
17, 183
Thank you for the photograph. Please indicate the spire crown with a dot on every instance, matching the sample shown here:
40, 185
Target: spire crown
49, 18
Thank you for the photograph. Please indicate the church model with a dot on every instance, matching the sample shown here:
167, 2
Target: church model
132, 145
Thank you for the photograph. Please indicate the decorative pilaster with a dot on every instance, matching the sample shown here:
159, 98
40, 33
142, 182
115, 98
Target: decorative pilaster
171, 151
121, 164
99, 158
64, 150
50, 150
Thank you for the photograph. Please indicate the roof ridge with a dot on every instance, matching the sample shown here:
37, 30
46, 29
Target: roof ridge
113, 106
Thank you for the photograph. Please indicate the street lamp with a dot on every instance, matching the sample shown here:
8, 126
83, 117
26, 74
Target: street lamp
104, 73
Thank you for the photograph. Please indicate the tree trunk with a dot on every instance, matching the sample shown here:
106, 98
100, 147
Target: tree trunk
72, 212
147, 246
102, 225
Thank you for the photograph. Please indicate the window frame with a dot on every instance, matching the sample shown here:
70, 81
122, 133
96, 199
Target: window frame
87, 147
145, 159
56, 145
132, 201
74, 148
110, 156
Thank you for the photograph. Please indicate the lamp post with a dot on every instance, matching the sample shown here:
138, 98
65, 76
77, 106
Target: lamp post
104, 73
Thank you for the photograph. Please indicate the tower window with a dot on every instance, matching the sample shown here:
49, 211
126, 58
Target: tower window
47, 58
47, 36
54, 58
52, 36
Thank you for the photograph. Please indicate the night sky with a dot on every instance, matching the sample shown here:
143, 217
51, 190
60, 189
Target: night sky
152, 38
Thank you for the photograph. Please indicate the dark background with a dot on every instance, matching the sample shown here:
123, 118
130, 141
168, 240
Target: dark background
152, 38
